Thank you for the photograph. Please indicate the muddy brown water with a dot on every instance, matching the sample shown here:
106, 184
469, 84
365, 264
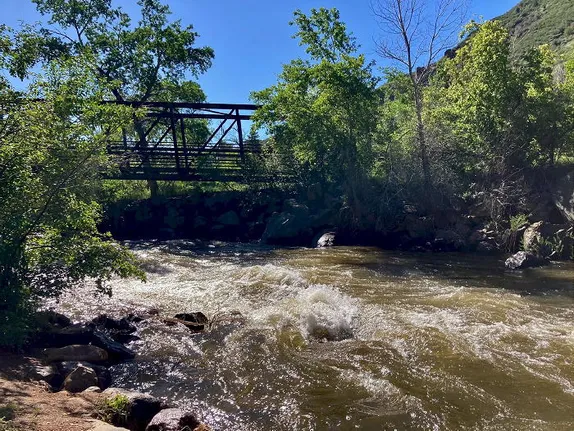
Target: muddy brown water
350, 338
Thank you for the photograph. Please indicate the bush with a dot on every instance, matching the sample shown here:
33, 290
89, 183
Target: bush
114, 410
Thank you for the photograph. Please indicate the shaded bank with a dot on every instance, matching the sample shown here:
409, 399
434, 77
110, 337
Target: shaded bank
484, 222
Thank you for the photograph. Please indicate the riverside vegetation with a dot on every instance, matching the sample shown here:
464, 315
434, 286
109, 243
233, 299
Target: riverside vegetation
495, 130
470, 150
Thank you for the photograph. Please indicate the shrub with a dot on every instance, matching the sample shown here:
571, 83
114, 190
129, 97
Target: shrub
114, 410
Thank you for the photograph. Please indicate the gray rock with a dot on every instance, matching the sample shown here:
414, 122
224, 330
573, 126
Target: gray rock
60, 337
45, 373
173, 420
523, 260
82, 335
230, 218
104, 376
80, 379
50, 318
116, 351
195, 317
76, 352
292, 227
142, 407
102, 426
93, 389
327, 239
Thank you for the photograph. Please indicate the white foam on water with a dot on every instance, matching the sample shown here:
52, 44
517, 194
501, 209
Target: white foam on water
319, 312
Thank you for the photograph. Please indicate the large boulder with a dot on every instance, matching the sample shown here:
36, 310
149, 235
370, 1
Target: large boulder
192, 326
173, 420
141, 410
117, 351
76, 352
49, 319
195, 317
120, 330
60, 337
45, 373
82, 335
230, 218
523, 260
80, 379
106, 323
67, 367
292, 226
327, 239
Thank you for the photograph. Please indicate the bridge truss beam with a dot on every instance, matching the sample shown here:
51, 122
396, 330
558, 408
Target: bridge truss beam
167, 148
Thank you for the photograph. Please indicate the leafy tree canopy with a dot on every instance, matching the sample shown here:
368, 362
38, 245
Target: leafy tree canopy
138, 61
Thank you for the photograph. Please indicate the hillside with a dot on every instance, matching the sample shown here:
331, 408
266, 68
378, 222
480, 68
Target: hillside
537, 22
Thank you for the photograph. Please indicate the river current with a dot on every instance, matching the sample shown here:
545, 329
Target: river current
349, 338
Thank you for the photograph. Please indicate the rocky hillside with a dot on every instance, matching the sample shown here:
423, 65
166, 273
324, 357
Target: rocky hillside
537, 22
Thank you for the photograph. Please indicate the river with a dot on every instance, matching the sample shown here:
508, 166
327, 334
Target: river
349, 338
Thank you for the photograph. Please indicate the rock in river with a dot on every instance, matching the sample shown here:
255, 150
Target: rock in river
523, 259
80, 379
173, 420
142, 407
76, 353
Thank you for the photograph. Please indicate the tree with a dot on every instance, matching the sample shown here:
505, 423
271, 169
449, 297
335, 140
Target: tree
505, 115
414, 39
150, 60
322, 112
51, 153
547, 102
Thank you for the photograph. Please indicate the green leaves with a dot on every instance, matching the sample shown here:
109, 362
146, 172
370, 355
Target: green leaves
51, 154
323, 34
136, 61
321, 112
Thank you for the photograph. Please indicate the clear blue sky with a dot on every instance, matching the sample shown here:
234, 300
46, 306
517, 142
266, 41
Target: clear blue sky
252, 38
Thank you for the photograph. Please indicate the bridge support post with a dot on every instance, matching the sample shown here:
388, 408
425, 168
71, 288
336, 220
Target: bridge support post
174, 137
240, 135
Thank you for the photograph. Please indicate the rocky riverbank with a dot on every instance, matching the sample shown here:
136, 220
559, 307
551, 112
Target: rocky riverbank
542, 226
64, 380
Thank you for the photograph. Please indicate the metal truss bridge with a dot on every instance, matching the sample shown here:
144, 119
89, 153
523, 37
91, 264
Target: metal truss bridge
186, 142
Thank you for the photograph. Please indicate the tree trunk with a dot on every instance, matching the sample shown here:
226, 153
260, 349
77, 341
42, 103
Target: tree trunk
421, 136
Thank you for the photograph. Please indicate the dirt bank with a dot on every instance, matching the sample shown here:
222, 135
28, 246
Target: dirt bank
31, 406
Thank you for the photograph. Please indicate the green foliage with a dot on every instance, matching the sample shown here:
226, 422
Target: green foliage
323, 34
7, 412
538, 22
517, 221
51, 153
114, 410
496, 114
320, 113
139, 60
